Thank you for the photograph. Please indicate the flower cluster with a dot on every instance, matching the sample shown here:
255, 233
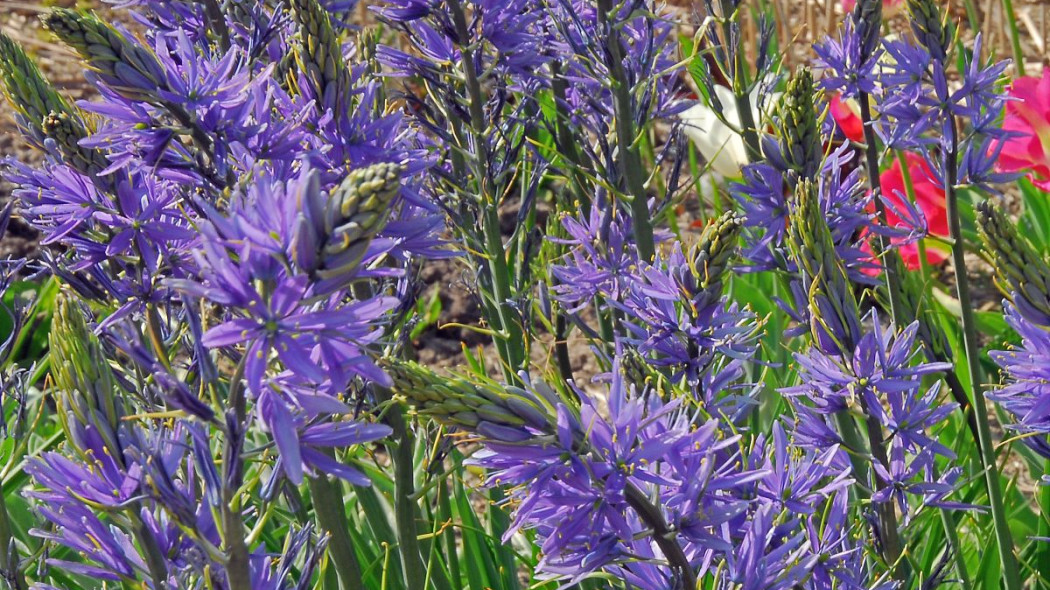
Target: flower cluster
602, 489
253, 213
1024, 277
237, 387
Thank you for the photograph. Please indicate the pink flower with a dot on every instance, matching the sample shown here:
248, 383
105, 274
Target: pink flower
889, 7
847, 116
1029, 117
929, 198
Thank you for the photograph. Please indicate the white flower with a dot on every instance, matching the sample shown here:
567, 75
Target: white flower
720, 145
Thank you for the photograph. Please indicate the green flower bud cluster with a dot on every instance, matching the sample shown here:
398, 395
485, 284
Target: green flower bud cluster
127, 67
798, 126
503, 413
833, 307
67, 130
320, 55
29, 93
356, 211
709, 258
931, 27
87, 389
1023, 274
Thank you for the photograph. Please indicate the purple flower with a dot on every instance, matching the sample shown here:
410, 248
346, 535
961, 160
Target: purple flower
300, 444
798, 483
763, 195
573, 486
1026, 393
322, 341
110, 552
600, 260
846, 70
881, 364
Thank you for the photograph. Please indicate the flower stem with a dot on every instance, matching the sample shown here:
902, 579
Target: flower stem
948, 522
1043, 559
1015, 36
662, 534
855, 447
1008, 562
871, 154
406, 511
741, 96
955, 386
510, 331
629, 158
238, 574
158, 568
331, 516
891, 540
8, 554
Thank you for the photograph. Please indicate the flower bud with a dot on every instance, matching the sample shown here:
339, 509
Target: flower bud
710, 257
832, 305
798, 131
931, 27
320, 56
867, 15
31, 96
124, 65
87, 393
1023, 275
505, 413
67, 130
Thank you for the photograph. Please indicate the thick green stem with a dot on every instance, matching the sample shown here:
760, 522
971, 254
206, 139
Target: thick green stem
851, 437
11, 571
566, 139
856, 449
158, 568
629, 158
406, 511
955, 386
217, 22
948, 523
561, 347
1015, 36
331, 517
509, 329
871, 153
1011, 580
891, 541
